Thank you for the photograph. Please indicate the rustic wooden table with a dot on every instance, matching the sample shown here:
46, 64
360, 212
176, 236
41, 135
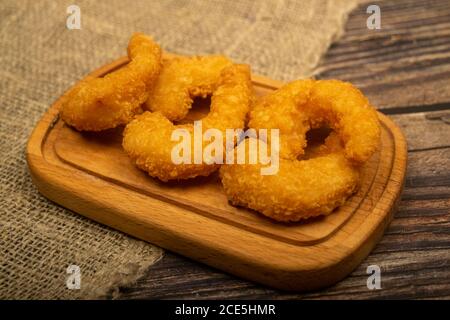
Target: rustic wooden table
404, 68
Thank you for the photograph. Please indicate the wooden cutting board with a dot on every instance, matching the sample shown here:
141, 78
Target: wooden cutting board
89, 173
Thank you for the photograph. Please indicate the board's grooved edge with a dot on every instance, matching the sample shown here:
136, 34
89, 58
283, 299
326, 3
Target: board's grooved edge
242, 252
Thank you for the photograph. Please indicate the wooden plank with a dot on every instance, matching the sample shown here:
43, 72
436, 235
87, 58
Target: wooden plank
425, 130
406, 63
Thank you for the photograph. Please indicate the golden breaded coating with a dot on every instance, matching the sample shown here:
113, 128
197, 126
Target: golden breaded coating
348, 111
317, 185
104, 103
304, 104
281, 110
300, 189
183, 79
231, 99
147, 139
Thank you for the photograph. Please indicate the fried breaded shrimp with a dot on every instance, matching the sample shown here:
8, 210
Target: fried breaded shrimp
104, 103
300, 189
281, 110
317, 185
183, 79
147, 141
304, 104
148, 138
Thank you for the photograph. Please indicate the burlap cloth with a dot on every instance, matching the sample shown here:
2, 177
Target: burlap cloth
41, 58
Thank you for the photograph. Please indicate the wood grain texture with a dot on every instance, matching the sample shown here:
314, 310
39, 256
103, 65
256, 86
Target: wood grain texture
195, 219
406, 63
405, 70
413, 254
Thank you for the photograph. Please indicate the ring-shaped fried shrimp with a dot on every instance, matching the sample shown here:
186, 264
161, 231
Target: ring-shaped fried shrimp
147, 139
104, 103
316, 186
304, 104
183, 79
301, 188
